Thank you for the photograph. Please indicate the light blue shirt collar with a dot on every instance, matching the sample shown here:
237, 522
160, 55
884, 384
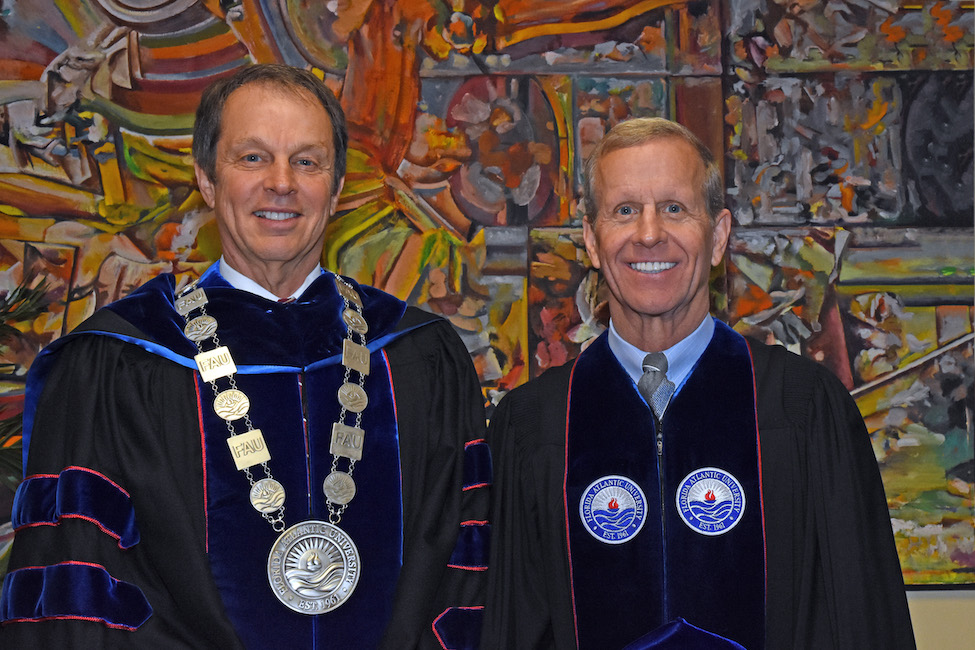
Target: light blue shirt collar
240, 281
680, 357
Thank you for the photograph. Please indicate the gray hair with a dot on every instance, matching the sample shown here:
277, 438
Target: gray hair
638, 131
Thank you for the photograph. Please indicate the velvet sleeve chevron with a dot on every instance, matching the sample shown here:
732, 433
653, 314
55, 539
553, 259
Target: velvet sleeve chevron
77, 492
99, 561
471, 551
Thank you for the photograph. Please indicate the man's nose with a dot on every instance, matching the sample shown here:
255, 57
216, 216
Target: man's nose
650, 226
281, 177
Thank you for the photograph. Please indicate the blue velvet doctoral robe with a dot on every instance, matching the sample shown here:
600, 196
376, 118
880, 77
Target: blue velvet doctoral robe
134, 528
831, 573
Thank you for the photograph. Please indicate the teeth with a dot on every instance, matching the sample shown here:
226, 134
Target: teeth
652, 267
276, 216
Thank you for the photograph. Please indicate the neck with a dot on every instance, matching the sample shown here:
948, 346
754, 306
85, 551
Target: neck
656, 333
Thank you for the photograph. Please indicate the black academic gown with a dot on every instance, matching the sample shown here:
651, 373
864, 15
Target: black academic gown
134, 528
833, 577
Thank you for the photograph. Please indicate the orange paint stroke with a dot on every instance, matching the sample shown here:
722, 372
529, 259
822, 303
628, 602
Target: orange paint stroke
224, 40
11, 69
559, 25
43, 197
159, 98
875, 114
254, 32
235, 55
846, 196
752, 300
894, 33
12, 441
943, 18
380, 92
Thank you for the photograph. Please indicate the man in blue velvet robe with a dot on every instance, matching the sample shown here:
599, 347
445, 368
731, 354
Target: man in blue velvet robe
271, 457
737, 505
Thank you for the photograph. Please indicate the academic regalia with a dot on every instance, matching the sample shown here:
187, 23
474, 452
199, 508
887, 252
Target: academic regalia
135, 528
807, 561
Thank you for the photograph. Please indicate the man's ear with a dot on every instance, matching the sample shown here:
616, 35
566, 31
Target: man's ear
335, 197
720, 236
205, 184
589, 238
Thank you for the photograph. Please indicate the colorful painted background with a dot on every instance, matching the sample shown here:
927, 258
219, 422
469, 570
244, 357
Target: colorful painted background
845, 129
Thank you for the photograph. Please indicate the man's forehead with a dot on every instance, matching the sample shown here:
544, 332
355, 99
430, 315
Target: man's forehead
647, 167
261, 132
665, 149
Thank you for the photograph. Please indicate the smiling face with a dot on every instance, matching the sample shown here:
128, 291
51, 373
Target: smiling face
272, 190
654, 241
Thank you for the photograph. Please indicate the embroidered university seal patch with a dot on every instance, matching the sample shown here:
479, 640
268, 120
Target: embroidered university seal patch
613, 509
710, 501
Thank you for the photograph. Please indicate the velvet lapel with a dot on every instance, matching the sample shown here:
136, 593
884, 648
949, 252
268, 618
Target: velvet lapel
636, 577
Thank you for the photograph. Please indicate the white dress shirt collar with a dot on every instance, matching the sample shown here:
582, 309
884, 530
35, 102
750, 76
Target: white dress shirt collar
681, 357
240, 281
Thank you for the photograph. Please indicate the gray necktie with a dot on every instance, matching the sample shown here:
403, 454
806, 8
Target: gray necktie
654, 385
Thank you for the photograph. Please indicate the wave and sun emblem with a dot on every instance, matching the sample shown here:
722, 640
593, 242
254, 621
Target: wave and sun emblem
314, 567
710, 500
613, 509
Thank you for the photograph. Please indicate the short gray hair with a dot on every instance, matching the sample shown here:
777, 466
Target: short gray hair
641, 130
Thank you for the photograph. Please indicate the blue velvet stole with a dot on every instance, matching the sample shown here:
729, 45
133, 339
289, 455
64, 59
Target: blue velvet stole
239, 539
289, 364
681, 635
273, 344
667, 570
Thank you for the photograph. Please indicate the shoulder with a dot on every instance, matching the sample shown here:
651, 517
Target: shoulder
104, 329
415, 317
426, 348
420, 331
538, 405
137, 327
551, 382
106, 321
779, 363
792, 385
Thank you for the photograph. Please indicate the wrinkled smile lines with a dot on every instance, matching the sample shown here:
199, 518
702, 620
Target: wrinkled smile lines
275, 216
652, 267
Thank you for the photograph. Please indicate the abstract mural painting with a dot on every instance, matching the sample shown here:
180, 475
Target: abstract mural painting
845, 131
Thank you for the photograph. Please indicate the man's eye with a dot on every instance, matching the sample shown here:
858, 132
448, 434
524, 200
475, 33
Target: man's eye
626, 210
251, 157
673, 208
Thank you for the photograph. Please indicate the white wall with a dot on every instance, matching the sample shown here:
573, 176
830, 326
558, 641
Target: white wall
943, 620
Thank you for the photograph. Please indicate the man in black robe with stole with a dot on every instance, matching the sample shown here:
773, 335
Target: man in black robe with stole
677, 486
273, 456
